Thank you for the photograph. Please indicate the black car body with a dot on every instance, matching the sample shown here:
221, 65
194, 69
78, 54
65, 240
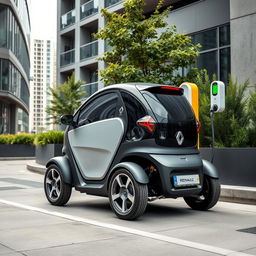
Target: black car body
133, 143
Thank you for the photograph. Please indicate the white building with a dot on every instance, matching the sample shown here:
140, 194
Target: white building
43, 71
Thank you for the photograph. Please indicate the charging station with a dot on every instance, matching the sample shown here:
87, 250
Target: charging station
217, 96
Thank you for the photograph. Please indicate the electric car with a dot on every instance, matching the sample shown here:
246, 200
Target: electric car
133, 143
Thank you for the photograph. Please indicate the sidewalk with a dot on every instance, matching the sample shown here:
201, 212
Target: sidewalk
236, 194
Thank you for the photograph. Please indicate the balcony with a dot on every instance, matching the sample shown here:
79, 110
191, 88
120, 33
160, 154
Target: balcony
89, 8
89, 50
89, 89
67, 58
111, 2
68, 19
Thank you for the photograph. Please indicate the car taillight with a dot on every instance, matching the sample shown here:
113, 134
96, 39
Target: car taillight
171, 88
198, 125
147, 122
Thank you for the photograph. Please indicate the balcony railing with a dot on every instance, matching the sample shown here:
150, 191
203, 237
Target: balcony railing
111, 2
67, 58
89, 50
68, 19
89, 89
89, 8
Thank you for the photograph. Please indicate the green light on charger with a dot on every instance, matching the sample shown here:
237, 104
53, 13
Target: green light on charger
215, 89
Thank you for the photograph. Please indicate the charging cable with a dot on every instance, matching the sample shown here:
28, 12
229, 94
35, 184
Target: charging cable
212, 110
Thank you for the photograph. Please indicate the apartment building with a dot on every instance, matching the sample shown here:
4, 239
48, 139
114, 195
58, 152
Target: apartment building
14, 66
224, 28
43, 62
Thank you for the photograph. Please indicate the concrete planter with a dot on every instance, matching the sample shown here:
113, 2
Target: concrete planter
46, 152
17, 150
237, 166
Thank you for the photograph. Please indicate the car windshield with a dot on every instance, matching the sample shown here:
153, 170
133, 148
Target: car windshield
169, 107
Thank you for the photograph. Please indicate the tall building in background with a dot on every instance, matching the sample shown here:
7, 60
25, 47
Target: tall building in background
14, 66
43, 70
215, 24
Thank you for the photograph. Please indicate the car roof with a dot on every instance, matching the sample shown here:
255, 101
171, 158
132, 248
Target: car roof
139, 86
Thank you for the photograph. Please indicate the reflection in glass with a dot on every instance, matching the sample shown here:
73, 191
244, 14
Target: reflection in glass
224, 64
224, 35
209, 62
89, 50
207, 39
89, 8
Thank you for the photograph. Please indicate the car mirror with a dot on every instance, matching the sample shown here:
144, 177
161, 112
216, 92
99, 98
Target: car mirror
67, 119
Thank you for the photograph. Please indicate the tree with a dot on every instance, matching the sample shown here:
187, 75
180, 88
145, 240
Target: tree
66, 98
144, 49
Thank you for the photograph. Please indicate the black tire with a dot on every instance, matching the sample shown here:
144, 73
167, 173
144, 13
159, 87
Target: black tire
209, 196
133, 193
56, 190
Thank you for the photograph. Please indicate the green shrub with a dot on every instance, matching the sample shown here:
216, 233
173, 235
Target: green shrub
23, 138
51, 137
3, 139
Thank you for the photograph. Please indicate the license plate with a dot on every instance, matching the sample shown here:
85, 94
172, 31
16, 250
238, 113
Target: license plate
186, 180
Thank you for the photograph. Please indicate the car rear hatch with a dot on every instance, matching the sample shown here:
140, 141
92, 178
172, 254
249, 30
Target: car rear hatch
176, 125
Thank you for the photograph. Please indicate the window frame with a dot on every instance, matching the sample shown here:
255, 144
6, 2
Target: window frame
87, 103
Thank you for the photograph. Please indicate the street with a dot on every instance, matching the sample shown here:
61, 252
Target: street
30, 226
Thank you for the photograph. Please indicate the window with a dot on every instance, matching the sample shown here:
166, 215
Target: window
135, 111
101, 108
215, 51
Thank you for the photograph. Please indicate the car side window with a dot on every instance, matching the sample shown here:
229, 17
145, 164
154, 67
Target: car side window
135, 111
101, 108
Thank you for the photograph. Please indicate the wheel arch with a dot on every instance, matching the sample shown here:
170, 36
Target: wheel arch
135, 169
210, 170
63, 163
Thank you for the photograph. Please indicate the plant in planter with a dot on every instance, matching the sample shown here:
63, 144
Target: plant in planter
48, 145
17, 145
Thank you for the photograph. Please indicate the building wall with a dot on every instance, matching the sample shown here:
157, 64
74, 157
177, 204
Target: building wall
14, 65
200, 15
243, 38
43, 60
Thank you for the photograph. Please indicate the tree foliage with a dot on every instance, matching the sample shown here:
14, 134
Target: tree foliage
65, 99
144, 49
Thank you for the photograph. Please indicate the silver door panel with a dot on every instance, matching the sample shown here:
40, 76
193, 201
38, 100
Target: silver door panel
94, 146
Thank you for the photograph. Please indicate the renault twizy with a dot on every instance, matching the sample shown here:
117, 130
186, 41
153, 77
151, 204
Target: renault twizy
133, 143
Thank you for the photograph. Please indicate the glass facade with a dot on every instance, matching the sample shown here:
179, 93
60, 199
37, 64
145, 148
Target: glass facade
16, 39
68, 19
111, 2
12, 81
89, 50
89, 8
215, 51
5, 118
67, 58
11, 37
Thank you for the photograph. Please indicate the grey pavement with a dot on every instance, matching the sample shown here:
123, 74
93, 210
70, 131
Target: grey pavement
87, 226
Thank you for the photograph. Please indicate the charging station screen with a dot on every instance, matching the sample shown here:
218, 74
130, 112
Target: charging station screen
214, 89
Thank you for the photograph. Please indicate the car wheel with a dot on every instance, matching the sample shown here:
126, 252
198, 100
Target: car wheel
128, 198
56, 190
209, 196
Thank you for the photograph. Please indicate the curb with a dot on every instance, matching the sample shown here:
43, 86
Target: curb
235, 194
17, 158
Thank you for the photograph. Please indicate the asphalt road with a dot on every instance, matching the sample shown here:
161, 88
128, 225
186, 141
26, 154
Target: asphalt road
29, 225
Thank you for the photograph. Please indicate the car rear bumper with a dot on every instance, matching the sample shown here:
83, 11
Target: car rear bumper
170, 166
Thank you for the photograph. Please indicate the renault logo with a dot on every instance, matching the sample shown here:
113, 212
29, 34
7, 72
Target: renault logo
179, 137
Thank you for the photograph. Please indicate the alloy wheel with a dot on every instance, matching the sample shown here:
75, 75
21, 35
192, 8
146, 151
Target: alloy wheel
53, 184
123, 194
